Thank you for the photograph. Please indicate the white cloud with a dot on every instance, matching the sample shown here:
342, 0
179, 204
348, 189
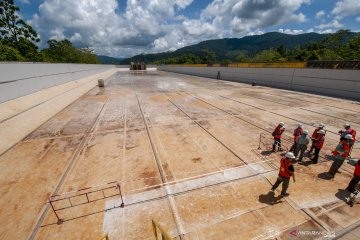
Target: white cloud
161, 44
358, 19
244, 15
291, 31
198, 28
325, 31
158, 25
76, 37
145, 25
256, 32
57, 34
320, 14
346, 8
333, 24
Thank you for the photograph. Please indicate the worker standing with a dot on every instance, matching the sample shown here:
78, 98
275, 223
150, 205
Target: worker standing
315, 135
340, 154
301, 144
297, 133
348, 130
277, 136
319, 143
356, 178
286, 171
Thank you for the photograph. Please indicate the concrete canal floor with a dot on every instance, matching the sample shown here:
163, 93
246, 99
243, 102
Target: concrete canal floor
184, 150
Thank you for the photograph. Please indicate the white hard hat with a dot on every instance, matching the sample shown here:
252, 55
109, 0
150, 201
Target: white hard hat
305, 132
348, 137
281, 124
300, 125
346, 125
321, 125
290, 155
321, 132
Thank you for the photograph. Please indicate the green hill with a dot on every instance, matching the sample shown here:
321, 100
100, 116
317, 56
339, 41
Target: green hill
230, 48
108, 60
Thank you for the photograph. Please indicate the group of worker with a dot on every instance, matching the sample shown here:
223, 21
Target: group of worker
300, 145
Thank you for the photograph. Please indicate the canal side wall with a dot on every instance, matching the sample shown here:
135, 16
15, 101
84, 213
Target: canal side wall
20, 79
329, 82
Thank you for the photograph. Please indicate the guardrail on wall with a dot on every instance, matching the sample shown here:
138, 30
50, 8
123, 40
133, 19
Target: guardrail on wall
247, 65
270, 65
334, 64
355, 65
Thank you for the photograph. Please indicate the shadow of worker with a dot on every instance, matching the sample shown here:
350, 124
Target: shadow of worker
343, 195
325, 176
266, 152
270, 198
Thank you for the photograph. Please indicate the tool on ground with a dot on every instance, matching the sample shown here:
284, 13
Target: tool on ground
160, 230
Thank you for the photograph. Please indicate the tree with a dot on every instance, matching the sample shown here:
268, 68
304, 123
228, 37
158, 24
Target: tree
313, 55
282, 50
226, 62
353, 48
242, 58
12, 28
268, 56
87, 55
8, 53
64, 52
208, 57
14, 32
337, 39
329, 54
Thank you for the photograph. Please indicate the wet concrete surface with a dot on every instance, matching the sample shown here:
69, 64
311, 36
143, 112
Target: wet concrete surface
185, 151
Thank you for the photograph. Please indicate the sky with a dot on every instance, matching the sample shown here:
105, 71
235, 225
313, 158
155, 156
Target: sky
124, 28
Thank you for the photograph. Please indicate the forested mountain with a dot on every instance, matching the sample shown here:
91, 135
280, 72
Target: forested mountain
109, 60
232, 49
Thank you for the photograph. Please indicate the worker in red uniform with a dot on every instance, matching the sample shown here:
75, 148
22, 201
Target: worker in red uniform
319, 143
340, 154
277, 136
297, 132
348, 130
285, 172
356, 178
315, 135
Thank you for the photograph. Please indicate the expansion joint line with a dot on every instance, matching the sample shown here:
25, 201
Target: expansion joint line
212, 135
313, 217
75, 157
169, 196
269, 112
321, 156
227, 112
283, 104
158, 163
